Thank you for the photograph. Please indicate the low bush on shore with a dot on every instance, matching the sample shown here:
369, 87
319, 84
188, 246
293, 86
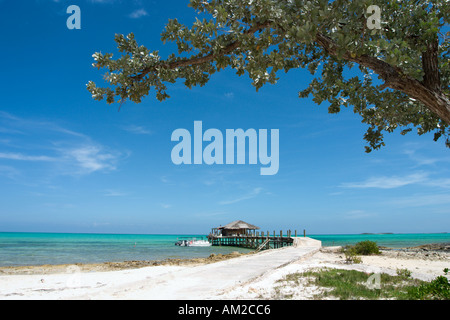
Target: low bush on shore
351, 284
367, 248
438, 289
361, 248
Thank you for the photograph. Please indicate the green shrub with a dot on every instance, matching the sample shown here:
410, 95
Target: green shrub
438, 289
366, 247
361, 248
405, 273
351, 255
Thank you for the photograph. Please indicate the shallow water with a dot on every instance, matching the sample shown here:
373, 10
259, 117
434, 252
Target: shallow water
21, 249
18, 249
396, 240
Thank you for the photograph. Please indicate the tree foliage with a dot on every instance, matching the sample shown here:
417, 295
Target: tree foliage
399, 74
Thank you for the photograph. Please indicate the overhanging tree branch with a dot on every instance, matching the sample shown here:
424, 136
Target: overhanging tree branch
428, 92
204, 59
406, 54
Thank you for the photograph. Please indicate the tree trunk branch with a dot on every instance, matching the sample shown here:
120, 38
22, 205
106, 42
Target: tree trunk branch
428, 92
431, 79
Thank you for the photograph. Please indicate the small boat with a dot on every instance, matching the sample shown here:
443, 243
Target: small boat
181, 243
193, 242
199, 243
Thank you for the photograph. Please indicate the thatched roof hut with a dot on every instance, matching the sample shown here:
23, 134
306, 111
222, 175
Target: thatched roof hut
237, 227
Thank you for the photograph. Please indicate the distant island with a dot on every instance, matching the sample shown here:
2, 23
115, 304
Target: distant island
369, 233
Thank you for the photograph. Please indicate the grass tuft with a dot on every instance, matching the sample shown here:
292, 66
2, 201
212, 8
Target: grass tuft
351, 284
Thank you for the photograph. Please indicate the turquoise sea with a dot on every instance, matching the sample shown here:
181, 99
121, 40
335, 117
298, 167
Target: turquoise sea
21, 249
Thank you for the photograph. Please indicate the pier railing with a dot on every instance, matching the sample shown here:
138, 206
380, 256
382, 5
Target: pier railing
256, 240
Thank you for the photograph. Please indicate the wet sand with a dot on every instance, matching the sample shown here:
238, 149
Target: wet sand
114, 266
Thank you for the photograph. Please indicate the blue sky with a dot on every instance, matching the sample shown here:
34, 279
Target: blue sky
72, 164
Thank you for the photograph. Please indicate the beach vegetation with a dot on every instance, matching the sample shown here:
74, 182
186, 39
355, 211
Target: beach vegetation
351, 256
366, 248
361, 248
352, 284
438, 289
404, 273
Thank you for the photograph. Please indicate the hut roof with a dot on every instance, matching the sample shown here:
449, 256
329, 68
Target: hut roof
239, 224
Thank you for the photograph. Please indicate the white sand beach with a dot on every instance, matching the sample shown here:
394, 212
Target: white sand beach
254, 276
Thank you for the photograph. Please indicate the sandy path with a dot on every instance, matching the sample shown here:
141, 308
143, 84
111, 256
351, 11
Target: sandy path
254, 276
161, 282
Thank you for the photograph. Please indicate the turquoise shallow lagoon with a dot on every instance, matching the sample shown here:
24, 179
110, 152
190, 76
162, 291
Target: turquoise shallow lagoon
396, 240
21, 249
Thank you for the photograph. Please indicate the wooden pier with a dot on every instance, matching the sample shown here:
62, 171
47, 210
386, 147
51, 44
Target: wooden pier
254, 240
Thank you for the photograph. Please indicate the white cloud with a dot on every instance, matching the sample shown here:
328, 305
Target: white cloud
13, 124
23, 157
388, 182
164, 179
420, 160
249, 195
9, 172
422, 200
137, 129
419, 154
90, 158
136, 14
114, 193
66, 151
209, 182
443, 183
